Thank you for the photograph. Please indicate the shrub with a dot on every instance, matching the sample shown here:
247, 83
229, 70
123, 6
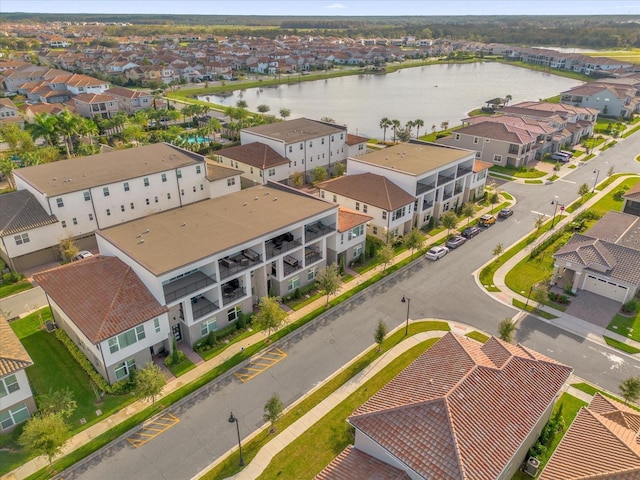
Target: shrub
296, 294
631, 306
83, 361
211, 339
175, 358
11, 277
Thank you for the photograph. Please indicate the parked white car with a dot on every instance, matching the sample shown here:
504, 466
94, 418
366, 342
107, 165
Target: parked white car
436, 253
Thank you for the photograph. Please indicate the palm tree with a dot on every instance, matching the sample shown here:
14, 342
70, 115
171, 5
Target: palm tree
418, 123
45, 126
384, 124
507, 99
88, 128
396, 125
118, 120
68, 125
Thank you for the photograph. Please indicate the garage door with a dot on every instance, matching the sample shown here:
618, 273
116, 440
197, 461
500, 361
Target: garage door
605, 288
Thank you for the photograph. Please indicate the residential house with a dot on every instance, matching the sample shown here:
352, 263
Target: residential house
29, 73
462, 410
108, 313
307, 144
258, 162
357, 145
632, 200
438, 177
478, 179
390, 207
30, 111
350, 242
209, 261
131, 101
9, 113
98, 106
604, 260
600, 443
16, 398
611, 99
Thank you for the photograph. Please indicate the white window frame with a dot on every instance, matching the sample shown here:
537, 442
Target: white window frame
8, 384
156, 325
21, 238
124, 367
234, 313
293, 283
208, 326
10, 415
59, 202
115, 343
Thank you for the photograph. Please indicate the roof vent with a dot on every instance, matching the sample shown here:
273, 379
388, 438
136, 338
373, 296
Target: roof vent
256, 198
275, 198
146, 231
141, 241
183, 225
244, 204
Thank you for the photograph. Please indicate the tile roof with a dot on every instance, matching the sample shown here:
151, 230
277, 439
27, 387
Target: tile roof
479, 165
462, 410
602, 443
94, 98
633, 193
498, 131
297, 130
82, 173
369, 188
255, 154
215, 171
347, 219
13, 356
20, 211
101, 295
355, 139
619, 228
353, 464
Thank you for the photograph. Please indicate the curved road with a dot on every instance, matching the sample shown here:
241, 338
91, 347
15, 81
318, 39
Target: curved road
443, 289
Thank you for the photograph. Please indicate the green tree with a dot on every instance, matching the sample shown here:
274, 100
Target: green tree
583, 190
395, 124
467, 211
506, 329
328, 280
68, 125
380, 334
497, 250
413, 240
540, 294
284, 113
44, 435
327, 120
418, 123
539, 222
241, 104
630, 389
149, 382
385, 255
60, 402
269, 315
68, 249
6, 168
449, 221
262, 108
273, 411
319, 174
494, 198
340, 168
44, 126
384, 124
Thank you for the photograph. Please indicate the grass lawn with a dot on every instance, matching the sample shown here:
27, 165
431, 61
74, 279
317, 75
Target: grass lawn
13, 288
183, 367
627, 326
54, 369
570, 408
607, 203
591, 390
480, 337
621, 346
532, 309
533, 181
517, 172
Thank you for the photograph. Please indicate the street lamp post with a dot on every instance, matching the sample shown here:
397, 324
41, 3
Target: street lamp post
526, 305
406, 300
597, 172
555, 209
233, 419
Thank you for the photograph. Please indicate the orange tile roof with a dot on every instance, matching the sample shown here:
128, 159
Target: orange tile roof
353, 464
479, 165
347, 219
101, 295
462, 409
602, 443
13, 356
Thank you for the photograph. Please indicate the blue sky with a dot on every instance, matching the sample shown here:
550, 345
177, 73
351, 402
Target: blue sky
330, 7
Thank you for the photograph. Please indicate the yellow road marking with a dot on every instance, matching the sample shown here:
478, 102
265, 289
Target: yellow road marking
260, 364
152, 429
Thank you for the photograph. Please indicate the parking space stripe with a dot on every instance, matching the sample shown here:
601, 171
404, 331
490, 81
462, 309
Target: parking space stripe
152, 429
260, 364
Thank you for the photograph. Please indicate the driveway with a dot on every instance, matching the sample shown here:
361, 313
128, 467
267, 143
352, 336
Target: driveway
593, 308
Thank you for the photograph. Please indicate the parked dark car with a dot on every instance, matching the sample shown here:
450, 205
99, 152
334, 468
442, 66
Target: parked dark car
505, 212
470, 232
455, 241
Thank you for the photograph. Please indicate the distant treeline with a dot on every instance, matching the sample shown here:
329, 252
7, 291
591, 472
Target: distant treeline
612, 31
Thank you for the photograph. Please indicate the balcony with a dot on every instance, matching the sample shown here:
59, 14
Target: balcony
281, 244
427, 204
230, 293
238, 262
317, 230
200, 307
442, 179
424, 187
184, 286
447, 195
464, 170
311, 256
290, 264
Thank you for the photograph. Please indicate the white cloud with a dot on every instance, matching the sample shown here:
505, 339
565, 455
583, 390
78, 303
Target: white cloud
335, 6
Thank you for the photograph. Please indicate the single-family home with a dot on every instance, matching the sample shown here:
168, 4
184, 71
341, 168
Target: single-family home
462, 410
9, 113
16, 398
632, 200
604, 260
131, 101
258, 162
349, 243
96, 105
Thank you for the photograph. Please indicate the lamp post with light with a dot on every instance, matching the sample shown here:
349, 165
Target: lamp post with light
406, 300
597, 172
555, 209
234, 419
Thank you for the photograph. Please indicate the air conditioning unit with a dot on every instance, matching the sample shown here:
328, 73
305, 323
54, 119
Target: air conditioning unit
532, 466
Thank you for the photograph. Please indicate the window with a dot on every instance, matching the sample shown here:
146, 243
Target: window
477, 154
87, 196
290, 148
321, 193
198, 169
108, 212
357, 251
335, 199
146, 200
234, 313
358, 206
194, 189
231, 181
208, 326
91, 217
457, 136
251, 168
356, 232
310, 144
126, 338
179, 173
126, 186
182, 192
155, 199
384, 215
375, 230
124, 369
293, 283
8, 385
475, 139
64, 224
399, 213
322, 141
22, 238
364, 208
272, 172
105, 191
201, 187
146, 182
164, 177
301, 146
497, 158
75, 221
168, 196
15, 415
156, 324
59, 202
122, 208
342, 136
311, 274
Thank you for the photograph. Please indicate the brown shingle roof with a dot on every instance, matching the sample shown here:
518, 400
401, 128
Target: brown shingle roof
20, 211
13, 356
347, 219
255, 154
355, 139
371, 189
633, 193
462, 410
601, 444
353, 464
101, 295
479, 165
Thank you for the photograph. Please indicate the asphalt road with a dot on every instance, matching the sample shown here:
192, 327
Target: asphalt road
443, 289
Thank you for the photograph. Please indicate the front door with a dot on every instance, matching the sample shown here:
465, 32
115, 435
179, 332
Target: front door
177, 333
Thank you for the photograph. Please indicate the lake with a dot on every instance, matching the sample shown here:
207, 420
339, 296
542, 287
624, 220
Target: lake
435, 93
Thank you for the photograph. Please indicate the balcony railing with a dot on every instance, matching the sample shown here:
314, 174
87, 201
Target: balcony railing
288, 269
273, 250
186, 285
464, 170
311, 256
202, 307
445, 178
424, 187
317, 230
230, 296
447, 195
238, 262
427, 204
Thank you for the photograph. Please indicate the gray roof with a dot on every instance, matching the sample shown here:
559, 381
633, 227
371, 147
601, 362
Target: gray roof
20, 211
169, 240
619, 228
82, 173
297, 130
415, 158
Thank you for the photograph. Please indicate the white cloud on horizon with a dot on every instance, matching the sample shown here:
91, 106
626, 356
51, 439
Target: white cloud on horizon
335, 6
